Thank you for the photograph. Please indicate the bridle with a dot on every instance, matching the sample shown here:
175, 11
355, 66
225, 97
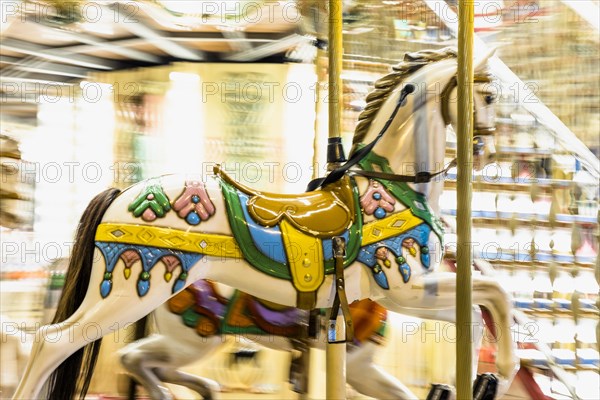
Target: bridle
419, 177
445, 101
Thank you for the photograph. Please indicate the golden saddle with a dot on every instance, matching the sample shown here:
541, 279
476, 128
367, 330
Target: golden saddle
321, 213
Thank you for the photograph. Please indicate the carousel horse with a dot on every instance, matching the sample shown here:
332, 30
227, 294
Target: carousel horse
366, 232
189, 327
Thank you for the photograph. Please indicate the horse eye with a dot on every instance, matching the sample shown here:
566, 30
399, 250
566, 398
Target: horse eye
490, 98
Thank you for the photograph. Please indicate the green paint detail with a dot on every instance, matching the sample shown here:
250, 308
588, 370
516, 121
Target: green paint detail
108, 276
425, 250
404, 193
400, 260
145, 276
159, 204
240, 230
382, 329
190, 317
237, 330
183, 276
267, 265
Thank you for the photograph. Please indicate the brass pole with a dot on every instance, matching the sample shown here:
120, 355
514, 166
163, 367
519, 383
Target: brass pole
335, 68
335, 358
464, 257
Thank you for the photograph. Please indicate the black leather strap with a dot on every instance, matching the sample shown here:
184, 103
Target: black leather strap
340, 300
337, 173
420, 177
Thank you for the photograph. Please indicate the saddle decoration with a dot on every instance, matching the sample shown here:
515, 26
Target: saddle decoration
415, 201
203, 308
293, 244
289, 236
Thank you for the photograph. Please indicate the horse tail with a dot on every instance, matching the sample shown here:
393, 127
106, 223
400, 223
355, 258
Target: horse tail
70, 377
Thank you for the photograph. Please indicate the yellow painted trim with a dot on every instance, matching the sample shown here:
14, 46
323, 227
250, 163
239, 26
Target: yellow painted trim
305, 257
388, 227
204, 243
217, 245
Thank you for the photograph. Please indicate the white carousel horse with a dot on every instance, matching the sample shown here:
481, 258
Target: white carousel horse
277, 247
190, 325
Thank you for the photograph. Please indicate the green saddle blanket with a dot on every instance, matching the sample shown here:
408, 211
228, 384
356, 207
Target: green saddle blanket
282, 250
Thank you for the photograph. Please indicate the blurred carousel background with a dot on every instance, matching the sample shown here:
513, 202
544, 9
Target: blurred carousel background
107, 93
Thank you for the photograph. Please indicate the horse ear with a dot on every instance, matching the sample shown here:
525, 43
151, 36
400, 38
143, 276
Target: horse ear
481, 60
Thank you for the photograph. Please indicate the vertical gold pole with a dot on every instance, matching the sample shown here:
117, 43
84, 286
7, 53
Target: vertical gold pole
464, 260
335, 359
335, 67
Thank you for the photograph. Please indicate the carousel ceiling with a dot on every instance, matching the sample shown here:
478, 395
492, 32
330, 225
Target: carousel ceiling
62, 41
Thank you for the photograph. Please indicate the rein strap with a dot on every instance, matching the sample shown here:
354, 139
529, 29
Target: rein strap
337, 173
419, 177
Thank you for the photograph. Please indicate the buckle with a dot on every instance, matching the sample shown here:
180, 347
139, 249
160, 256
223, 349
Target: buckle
339, 246
422, 177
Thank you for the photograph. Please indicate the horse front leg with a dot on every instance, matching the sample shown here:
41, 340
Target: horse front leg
449, 315
491, 295
139, 358
206, 388
370, 379
437, 291
154, 360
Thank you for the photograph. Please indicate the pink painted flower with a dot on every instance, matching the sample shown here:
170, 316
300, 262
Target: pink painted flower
376, 200
193, 204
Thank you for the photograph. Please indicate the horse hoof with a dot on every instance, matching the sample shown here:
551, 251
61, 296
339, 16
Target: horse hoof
441, 392
485, 387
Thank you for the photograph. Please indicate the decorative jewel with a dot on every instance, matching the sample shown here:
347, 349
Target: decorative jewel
105, 288
376, 200
410, 245
179, 285
405, 272
149, 256
380, 213
425, 257
151, 203
143, 287
380, 277
193, 218
194, 204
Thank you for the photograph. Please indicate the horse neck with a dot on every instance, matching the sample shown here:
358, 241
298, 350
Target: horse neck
416, 139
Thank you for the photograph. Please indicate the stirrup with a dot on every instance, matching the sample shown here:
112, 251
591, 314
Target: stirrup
340, 300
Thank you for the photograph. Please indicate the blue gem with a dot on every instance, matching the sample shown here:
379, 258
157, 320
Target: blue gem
193, 218
405, 272
143, 287
105, 288
379, 213
425, 260
195, 199
179, 285
377, 196
381, 279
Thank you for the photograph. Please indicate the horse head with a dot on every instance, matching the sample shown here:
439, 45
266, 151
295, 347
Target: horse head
415, 140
